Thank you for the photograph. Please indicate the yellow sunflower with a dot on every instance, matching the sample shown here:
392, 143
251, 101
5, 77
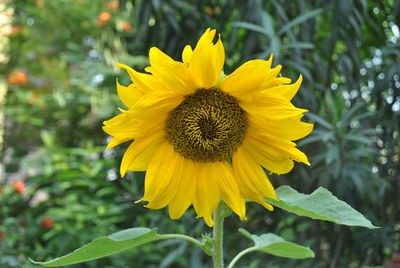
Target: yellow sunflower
203, 137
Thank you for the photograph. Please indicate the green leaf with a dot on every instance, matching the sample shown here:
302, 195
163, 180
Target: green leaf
116, 243
319, 205
250, 26
277, 246
299, 45
319, 120
357, 138
299, 20
349, 115
105, 246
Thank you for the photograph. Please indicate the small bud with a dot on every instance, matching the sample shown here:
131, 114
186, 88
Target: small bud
17, 78
103, 18
19, 186
125, 26
113, 5
47, 223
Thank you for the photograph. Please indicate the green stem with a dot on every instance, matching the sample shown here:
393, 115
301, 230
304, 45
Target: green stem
239, 255
218, 252
187, 238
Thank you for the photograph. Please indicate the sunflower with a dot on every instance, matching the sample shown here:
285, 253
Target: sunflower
203, 137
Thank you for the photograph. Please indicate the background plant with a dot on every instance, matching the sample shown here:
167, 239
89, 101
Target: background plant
61, 86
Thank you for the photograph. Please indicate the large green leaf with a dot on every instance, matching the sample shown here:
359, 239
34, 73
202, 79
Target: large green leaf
277, 246
319, 205
105, 246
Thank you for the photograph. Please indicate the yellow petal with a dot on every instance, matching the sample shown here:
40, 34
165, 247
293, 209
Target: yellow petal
251, 177
280, 146
208, 193
262, 202
291, 128
121, 126
149, 114
274, 154
116, 141
270, 83
286, 91
128, 95
156, 56
247, 79
186, 191
128, 125
271, 159
139, 153
174, 74
271, 107
157, 101
162, 177
187, 54
145, 82
229, 188
207, 60
272, 77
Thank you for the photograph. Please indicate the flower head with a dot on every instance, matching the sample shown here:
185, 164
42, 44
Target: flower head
103, 18
3, 235
125, 26
19, 186
16, 29
47, 223
203, 137
113, 5
39, 3
17, 78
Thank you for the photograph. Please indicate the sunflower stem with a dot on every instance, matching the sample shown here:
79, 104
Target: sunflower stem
218, 233
239, 255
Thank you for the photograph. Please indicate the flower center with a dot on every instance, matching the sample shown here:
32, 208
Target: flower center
207, 126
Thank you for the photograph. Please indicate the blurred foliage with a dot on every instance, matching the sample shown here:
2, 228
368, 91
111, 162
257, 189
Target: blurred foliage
61, 75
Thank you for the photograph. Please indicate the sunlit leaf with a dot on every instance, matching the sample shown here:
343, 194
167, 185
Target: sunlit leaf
105, 246
319, 205
277, 246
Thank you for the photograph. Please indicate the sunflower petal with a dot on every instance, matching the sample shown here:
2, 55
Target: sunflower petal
207, 60
247, 79
128, 125
229, 188
271, 83
278, 107
138, 155
287, 91
161, 183
291, 128
280, 146
115, 141
174, 74
129, 95
187, 54
274, 154
156, 56
186, 192
208, 193
252, 178
146, 82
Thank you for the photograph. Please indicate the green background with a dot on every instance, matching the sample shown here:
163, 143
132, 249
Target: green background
347, 51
